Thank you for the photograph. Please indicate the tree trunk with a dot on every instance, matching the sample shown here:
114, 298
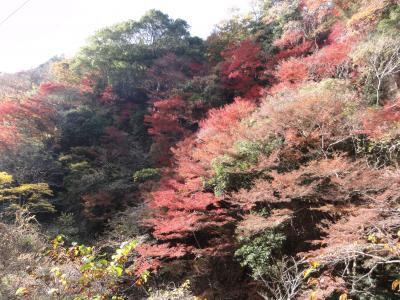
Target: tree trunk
378, 88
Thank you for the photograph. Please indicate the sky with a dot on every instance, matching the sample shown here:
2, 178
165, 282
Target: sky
45, 28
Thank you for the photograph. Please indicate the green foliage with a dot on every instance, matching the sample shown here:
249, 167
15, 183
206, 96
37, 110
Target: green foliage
248, 152
228, 176
93, 268
31, 196
231, 171
146, 174
81, 127
79, 166
391, 24
206, 89
257, 252
230, 32
65, 224
121, 254
123, 53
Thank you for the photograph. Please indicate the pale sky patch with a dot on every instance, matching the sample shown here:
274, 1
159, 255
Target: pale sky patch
45, 28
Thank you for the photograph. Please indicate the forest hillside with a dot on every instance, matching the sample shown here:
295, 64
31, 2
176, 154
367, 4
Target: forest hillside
260, 163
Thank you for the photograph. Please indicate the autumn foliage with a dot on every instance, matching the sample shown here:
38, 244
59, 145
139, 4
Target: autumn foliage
267, 159
241, 68
30, 115
297, 161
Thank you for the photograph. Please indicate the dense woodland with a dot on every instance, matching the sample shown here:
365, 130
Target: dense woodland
260, 163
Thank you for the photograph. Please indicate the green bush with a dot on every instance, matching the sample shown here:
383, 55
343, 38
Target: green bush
79, 166
229, 176
248, 152
256, 252
146, 174
391, 22
81, 127
232, 171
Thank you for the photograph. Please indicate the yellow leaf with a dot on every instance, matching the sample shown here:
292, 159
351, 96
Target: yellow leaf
21, 291
313, 295
308, 272
396, 284
186, 284
343, 297
139, 282
372, 238
5, 178
312, 281
315, 264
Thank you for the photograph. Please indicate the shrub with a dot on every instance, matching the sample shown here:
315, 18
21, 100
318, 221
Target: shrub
31, 196
227, 178
146, 174
79, 166
20, 243
257, 252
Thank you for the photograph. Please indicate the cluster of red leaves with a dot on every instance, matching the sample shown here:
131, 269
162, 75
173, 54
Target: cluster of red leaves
331, 182
108, 96
165, 126
295, 51
179, 216
334, 57
292, 71
332, 60
162, 250
241, 68
87, 85
51, 88
380, 122
289, 38
304, 55
144, 264
313, 185
183, 214
164, 119
26, 116
220, 130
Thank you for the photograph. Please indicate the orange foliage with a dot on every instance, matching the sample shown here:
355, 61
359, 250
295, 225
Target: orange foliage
165, 126
24, 117
383, 121
369, 13
51, 87
293, 70
241, 67
221, 129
